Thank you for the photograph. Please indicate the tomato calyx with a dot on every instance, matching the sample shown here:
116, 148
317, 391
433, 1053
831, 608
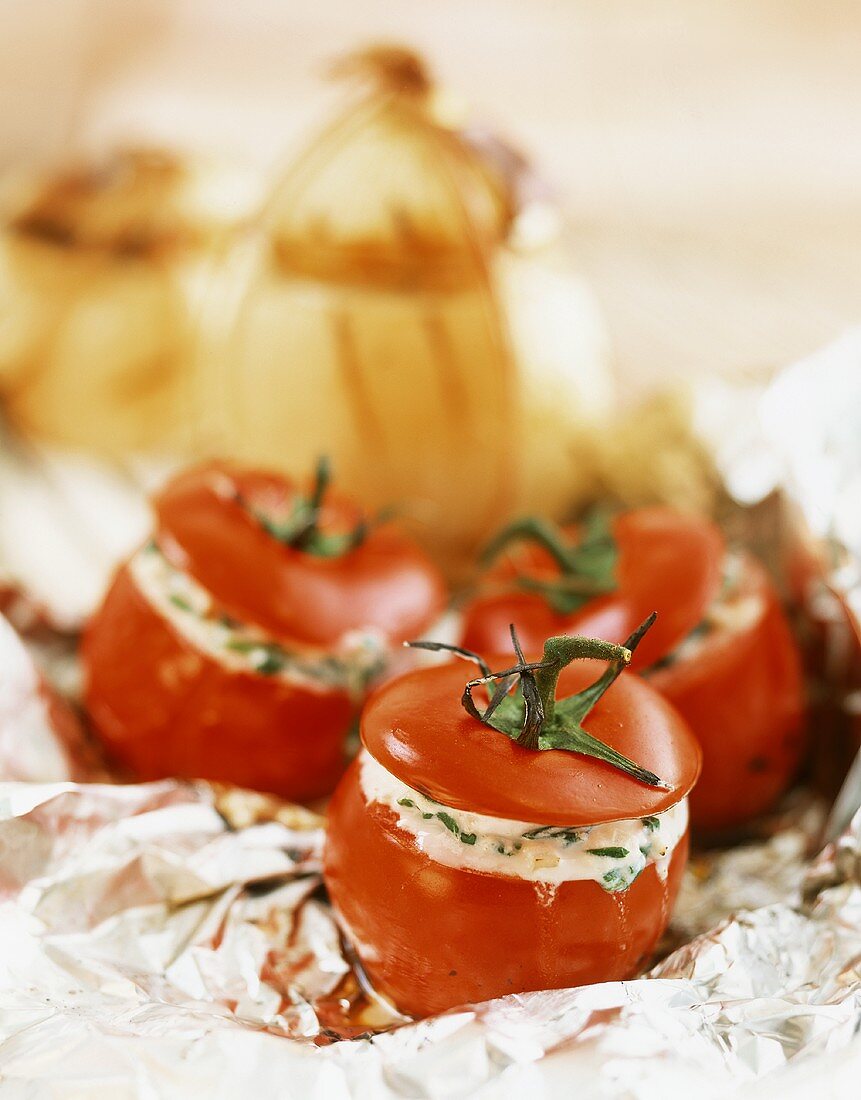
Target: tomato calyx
587, 567
301, 529
522, 703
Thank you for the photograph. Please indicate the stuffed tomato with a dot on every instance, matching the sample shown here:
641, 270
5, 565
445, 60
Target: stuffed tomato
721, 650
239, 643
529, 842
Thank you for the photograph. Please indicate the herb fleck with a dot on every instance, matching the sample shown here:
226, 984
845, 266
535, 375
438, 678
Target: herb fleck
449, 823
266, 658
610, 853
180, 602
651, 823
620, 878
551, 832
272, 663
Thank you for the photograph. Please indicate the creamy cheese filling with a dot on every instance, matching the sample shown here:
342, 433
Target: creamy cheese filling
731, 610
359, 657
612, 854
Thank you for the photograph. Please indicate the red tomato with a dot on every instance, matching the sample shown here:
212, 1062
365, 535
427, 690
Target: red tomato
669, 562
741, 691
432, 936
164, 706
417, 729
206, 527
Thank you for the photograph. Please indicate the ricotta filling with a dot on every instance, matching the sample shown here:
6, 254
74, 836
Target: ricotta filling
613, 854
731, 611
358, 659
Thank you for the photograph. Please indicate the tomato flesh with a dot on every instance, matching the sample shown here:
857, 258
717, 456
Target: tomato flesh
164, 708
741, 691
431, 936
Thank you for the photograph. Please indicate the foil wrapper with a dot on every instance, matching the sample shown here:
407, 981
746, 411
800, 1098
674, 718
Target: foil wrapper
174, 939
790, 460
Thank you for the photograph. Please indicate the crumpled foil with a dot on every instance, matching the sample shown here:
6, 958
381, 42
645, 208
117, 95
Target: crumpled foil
174, 940
169, 940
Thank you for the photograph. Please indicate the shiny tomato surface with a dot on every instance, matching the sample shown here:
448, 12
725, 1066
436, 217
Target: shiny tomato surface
669, 562
741, 691
164, 708
417, 729
432, 936
207, 527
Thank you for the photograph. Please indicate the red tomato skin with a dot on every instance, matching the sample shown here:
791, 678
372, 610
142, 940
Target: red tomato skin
417, 728
669, 562
387, 582
742, 694
487, 620
164, 708
432, 937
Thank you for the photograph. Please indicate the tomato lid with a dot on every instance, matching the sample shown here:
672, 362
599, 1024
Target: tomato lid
668, 561
217, 523
416, 727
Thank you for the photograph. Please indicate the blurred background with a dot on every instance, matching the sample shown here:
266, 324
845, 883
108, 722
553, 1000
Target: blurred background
707, 154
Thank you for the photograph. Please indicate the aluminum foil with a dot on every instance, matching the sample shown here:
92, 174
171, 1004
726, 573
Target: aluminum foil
174, 939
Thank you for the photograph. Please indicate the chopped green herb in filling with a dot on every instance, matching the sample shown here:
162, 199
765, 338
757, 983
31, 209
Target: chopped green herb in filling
449, 823
611, 854
620, 878
353, 668
551, 832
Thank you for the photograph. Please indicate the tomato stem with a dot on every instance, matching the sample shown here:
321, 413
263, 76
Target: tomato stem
301, 529
314, 504
533, 717
586, 567
561, 651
